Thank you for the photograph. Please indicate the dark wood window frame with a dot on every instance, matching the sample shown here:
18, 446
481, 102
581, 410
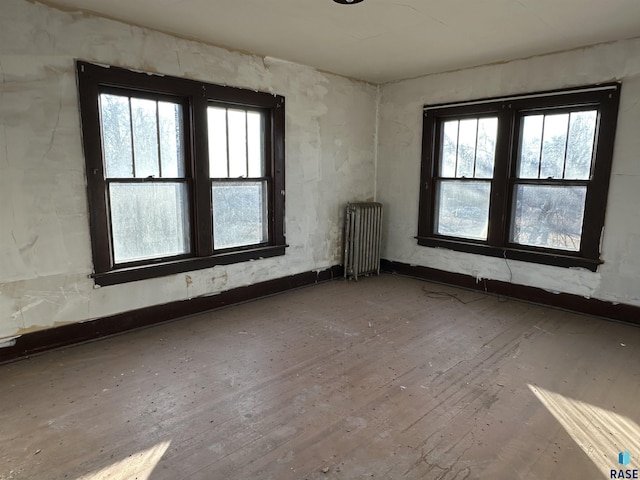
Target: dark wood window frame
194, 96
509, 111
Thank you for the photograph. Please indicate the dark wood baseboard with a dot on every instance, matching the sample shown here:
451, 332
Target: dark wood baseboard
42, 340
566, 301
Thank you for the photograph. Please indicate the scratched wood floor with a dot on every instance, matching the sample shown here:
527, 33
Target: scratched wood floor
386, 378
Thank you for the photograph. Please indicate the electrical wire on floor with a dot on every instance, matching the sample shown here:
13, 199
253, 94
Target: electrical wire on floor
438, 295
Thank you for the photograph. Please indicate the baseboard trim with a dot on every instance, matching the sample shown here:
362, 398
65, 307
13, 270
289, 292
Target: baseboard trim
566, 301
66, 335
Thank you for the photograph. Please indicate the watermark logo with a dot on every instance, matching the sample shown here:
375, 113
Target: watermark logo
624, 459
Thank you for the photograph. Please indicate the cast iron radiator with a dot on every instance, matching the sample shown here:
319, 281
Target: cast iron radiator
362, 232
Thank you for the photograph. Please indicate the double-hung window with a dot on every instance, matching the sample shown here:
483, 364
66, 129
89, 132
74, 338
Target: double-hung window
145, 177
239, 185
181, 175
523, 177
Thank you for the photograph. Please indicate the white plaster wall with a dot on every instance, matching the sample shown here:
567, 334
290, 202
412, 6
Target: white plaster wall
400, 133
45, 255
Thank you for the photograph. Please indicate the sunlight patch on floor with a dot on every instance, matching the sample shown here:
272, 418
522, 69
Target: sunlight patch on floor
139, 465
600, 433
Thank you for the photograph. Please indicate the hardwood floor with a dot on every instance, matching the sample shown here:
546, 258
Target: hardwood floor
387, 378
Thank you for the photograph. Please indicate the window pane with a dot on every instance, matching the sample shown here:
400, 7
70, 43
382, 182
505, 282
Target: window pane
171, 148
217, 127
239, 214
548, 216
466, 147
463, 209
149, 220
145, 137
237, 143
449, 149
486, 149
255, 144
116, 135
582, 129
530, 143
553, 145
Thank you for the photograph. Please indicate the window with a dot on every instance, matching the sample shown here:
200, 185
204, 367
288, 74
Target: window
239, 186
182, 175
520, 177
463, 183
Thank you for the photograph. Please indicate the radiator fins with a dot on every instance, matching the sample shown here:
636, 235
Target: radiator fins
362, 234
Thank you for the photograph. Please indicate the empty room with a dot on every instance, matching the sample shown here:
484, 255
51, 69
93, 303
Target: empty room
319, 239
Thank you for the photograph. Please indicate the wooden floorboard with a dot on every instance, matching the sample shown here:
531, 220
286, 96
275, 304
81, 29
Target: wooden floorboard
387, 377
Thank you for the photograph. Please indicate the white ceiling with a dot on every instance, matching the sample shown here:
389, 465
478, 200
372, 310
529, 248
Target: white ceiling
383, 40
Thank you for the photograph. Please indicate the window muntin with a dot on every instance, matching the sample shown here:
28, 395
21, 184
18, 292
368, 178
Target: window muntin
467, 153
468, 148
553, 170
161, 199
240, 191
145, 176
557, 145
547, 186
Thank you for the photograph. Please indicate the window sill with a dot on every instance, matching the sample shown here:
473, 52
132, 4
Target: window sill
132, 274
532, 256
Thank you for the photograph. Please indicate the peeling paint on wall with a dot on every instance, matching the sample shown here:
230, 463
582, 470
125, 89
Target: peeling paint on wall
8, 342
399, 152
45, 252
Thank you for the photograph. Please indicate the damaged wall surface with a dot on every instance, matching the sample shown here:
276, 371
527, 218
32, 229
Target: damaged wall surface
45, 253
400, 137
345, 140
